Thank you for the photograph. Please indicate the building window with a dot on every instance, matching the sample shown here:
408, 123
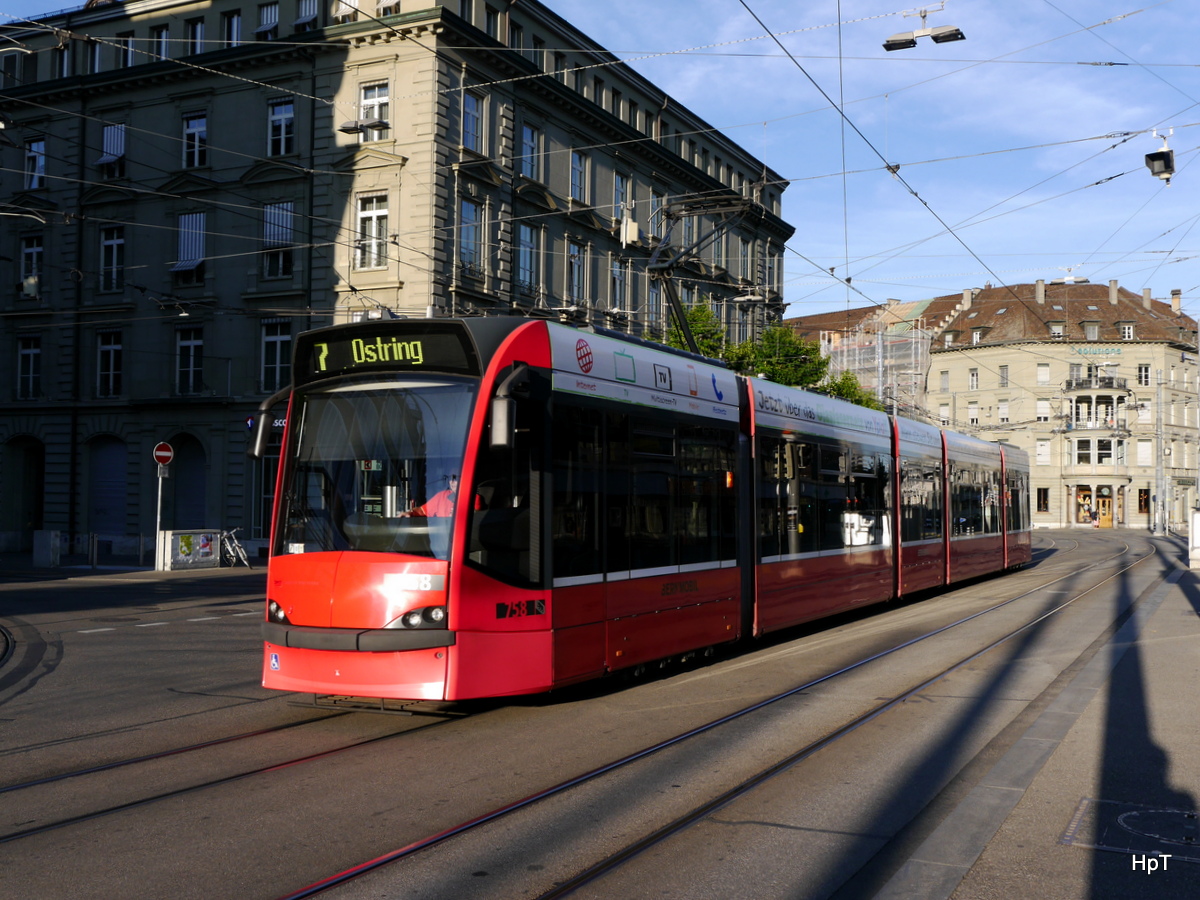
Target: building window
160, 41
973, 413
472, 122
268, 22
193, 30
470, 237
944, 380
972, 379
189, 360
1127, 332
1043, 373
1145, 454
371, 246
126, 56
527, 259
276, 355
944, 413
976, 335
516, 36
1043, 411
718, 251
108, 364
344, 12
1144, 501
195, 140
1104, 452
466, 9
1143, 376
491, 22
948, 339
1056, 331
374, 106
306, 16
278, 239
1004, 376
231, 28
654, 224
95, 57
35, 164
1083, 451
112, 160
654, 302
1043, 500
32, 259
1042, 453
531, 152
579, 176
744, 259
576, 272
1002, 412
618, 293
1091, 331
29, 368
281, 127
189, 267
620, 194
112, 258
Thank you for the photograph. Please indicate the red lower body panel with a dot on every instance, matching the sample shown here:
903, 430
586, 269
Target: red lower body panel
972, 557
407, 675
795, 591
922, 567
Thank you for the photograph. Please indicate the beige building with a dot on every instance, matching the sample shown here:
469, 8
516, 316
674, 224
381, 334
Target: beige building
1097, 383
187, 185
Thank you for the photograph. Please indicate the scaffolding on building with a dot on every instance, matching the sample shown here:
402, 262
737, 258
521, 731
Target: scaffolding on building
890, 359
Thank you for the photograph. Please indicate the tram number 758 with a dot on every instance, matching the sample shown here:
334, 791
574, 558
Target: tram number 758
520, 608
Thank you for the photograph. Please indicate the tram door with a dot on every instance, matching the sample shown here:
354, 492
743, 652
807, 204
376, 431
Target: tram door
1104, 506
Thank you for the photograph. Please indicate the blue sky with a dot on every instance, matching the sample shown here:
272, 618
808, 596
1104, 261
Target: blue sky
1020, 150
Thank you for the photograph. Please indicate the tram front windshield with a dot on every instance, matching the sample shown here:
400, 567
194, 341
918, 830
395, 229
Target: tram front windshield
375, 467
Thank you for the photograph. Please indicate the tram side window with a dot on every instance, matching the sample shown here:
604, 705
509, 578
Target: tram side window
618, 504
866, 521
832, 496
651, 501
504, 528
920, 499
706, 506
772, 526
1018, 500
575, 522
788, 512
974, 499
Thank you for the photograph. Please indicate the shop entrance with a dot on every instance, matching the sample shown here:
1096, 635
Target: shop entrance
1104, 505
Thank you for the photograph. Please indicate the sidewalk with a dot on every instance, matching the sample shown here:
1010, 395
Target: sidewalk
1099, 798
17, 567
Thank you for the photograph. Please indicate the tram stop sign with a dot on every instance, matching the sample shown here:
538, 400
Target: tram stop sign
163, 453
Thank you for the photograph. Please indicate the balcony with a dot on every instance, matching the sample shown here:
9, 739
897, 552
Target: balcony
1098, 383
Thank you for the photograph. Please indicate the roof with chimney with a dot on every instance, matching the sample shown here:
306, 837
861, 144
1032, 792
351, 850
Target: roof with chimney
1018, 313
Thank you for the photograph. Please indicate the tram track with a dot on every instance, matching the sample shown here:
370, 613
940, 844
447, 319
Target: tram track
680, 823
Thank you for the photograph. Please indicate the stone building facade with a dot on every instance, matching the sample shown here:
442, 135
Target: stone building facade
1097, 383
187, 185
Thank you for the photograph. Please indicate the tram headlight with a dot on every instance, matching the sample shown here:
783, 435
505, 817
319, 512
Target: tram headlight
423, 617
276, 614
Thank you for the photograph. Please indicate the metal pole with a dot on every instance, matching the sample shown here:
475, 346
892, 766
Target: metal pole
1159, 525
158, 554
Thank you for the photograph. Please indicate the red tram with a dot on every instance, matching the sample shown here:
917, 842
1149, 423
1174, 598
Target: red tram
611, 503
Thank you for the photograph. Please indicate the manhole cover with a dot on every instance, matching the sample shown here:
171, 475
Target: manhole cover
1134, 828
1171, 825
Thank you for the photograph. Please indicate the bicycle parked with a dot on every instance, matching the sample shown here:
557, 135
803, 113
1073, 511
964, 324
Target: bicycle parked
231, 547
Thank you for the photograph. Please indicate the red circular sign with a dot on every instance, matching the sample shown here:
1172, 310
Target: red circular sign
163, 453
583, 355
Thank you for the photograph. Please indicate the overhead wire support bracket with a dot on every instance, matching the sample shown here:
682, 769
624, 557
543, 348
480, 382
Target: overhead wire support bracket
729, 210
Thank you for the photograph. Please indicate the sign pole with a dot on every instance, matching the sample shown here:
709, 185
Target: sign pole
163, 454
158, 554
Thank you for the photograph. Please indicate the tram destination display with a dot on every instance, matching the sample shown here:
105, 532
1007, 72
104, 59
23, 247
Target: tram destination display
409, 347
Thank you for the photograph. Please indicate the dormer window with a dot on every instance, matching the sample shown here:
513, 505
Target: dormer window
1127, 332
1056, 331
976, 335
1091, 331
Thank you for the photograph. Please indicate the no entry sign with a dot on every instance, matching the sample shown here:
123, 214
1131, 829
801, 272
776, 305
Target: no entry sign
163, 453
